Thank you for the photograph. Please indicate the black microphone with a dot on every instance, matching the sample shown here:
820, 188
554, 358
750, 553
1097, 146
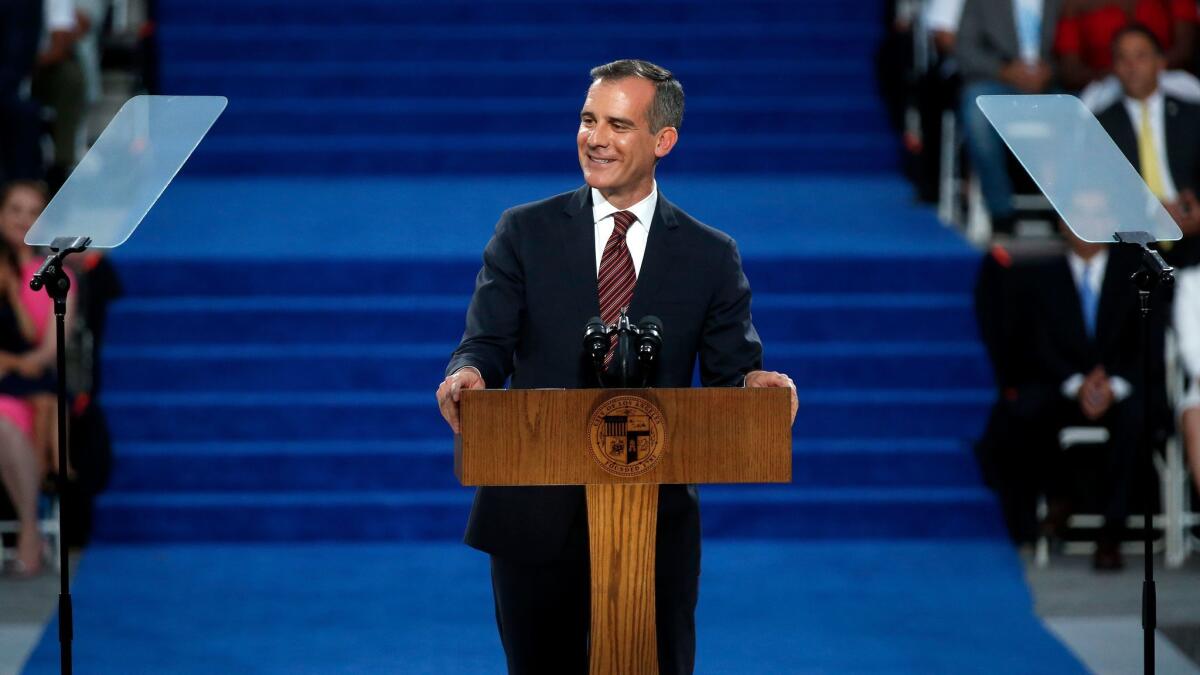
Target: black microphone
649, 343
595, 341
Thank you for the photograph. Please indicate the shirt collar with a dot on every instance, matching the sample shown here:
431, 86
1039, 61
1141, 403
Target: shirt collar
643, 210
1094, 264
1153, 103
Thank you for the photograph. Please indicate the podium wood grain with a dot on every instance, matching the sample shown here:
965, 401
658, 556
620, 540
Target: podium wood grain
621, 528
540, 437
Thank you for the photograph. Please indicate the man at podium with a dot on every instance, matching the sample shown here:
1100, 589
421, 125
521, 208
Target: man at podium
615, 243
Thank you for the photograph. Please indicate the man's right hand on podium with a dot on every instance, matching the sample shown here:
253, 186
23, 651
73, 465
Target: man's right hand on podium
447, 392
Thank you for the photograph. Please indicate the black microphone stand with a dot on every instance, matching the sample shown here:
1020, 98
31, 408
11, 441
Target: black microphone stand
56, 282
1154, 272
621, 356
597, 337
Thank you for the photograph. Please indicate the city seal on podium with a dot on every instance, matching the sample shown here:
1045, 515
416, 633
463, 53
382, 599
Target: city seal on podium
627, 435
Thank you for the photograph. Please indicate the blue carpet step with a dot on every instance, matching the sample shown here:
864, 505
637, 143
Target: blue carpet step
353, 466
409, 152
763, 512
390, 366
680, 13
849, 272
579, 46
307, 416
488, 116
425, 77
808, 317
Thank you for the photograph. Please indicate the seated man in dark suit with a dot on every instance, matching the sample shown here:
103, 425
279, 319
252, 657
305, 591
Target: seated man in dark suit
1085, 355
614, 243
1160, 135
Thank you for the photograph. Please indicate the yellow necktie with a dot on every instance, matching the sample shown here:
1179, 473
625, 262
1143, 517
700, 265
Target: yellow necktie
1148, 155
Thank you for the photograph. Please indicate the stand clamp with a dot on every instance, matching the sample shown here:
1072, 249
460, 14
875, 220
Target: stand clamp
51, 275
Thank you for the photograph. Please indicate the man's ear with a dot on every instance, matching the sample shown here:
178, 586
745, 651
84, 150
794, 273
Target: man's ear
666, 140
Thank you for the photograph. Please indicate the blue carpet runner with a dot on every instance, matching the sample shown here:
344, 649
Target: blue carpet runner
766, 608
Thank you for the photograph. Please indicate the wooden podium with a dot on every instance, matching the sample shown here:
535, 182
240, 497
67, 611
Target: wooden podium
622, 444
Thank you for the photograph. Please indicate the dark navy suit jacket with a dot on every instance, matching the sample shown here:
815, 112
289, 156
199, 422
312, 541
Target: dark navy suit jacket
533, 297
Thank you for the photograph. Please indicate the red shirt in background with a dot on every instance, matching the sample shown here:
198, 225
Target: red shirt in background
1089, 33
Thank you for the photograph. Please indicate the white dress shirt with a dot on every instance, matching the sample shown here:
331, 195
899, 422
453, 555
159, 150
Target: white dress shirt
1186, 310
635, 236
1028, 17
1095, 268
1155, 105
944, 15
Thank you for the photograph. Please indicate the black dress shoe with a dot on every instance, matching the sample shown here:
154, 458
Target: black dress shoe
1107, 557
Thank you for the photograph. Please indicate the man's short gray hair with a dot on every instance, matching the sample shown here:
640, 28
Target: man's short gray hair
666, 110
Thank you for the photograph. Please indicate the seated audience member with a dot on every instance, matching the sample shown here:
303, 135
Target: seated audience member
1083, 42
1159, 134
22, 202
1187, 331
20, 118
27, 352
1086, 357
1003, 47
1011, 452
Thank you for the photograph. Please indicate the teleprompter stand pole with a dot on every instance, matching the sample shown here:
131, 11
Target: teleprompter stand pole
1154, 272
54, 279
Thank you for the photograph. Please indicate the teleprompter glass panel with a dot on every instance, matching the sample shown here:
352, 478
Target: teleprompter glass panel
127, 169
1091, 185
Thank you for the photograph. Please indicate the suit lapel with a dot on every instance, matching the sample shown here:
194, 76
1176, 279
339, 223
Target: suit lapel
1172, 129
578, 238
1050, 15
1077, 330
1007, 25
660, 258
1115, 291
1125, 136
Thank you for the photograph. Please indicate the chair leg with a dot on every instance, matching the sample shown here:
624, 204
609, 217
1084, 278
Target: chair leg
947, 184
979, 223
1172, 479
1041, 550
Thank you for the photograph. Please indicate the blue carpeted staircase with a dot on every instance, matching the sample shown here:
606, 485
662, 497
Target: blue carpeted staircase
294, 402
292, 398
460, 86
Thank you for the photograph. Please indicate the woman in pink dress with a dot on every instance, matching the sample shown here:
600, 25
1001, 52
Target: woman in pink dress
28, 414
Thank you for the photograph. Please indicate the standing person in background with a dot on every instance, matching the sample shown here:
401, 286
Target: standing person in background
20, 117
1083, 42
1003, 47
58, 84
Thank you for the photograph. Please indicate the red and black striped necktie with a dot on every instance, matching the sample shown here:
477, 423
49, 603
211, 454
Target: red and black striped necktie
617, 276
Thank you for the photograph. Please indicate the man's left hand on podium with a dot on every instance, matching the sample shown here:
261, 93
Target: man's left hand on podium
770, 378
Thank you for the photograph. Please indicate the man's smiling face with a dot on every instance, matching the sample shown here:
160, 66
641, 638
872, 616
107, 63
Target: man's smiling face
617, 149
